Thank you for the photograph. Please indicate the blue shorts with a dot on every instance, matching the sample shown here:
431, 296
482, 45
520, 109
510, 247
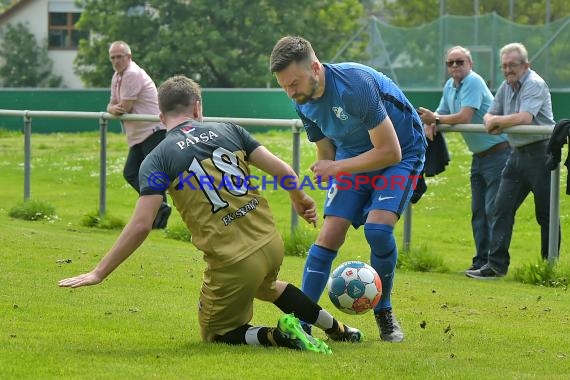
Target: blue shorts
352, 196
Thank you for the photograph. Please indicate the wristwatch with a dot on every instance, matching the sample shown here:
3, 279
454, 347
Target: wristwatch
437, 120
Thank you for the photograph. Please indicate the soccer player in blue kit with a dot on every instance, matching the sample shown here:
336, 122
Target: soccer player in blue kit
370, 140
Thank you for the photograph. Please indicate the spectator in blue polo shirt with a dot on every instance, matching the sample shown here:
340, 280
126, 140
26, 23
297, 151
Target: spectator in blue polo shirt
465, 100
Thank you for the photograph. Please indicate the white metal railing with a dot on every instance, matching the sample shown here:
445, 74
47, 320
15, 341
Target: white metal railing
103, 117
296, 126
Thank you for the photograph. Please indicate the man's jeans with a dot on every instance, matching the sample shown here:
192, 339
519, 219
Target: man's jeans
485, 180
524, 172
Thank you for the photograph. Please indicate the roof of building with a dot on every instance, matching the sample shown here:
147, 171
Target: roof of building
13, 9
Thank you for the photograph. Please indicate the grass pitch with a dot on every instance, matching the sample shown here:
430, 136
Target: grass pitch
142, 321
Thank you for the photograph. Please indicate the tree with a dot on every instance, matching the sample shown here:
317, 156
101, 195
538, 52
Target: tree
221, 43
418, 12
26, 64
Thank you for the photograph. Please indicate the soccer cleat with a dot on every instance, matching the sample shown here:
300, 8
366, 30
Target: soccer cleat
346, 334
390, 330
307, 328
290, 331
484, 273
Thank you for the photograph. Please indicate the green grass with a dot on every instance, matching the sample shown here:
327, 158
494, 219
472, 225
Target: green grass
142, 321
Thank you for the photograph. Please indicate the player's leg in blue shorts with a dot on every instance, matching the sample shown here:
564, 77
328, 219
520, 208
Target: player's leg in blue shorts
344, 205
392, 190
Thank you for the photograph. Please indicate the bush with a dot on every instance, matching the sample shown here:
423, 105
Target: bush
32, 210
542, 273
106, 222
178, 232
298, 243
25, 62
421, 260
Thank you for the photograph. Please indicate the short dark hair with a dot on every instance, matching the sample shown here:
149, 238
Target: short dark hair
178, 94
288, 50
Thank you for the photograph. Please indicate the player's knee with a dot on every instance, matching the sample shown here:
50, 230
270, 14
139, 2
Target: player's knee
333, 233
330, 240
380, 237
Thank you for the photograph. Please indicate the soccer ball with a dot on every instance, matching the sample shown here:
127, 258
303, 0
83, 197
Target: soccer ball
354, 287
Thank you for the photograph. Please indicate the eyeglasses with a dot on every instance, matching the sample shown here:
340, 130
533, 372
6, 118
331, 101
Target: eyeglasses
119, 56
458, 62
512, 65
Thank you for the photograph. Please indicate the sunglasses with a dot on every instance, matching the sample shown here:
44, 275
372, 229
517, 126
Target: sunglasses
458, 62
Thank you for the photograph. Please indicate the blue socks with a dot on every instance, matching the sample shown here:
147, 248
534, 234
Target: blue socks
317, 270
383, 258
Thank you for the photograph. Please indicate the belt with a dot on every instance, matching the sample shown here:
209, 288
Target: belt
494, 149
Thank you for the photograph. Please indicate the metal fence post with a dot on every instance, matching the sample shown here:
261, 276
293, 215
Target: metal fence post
103, 123
296, 130
554, 227
407, 228
27, 154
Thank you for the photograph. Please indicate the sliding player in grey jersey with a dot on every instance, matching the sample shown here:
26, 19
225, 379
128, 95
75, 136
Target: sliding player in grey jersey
205, 167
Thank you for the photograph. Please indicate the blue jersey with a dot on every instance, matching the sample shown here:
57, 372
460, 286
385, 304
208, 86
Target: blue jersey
356, 99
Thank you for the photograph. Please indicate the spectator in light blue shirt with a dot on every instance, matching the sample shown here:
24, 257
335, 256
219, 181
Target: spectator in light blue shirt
465, 100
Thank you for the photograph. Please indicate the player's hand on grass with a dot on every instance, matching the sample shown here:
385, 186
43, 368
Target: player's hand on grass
82, 280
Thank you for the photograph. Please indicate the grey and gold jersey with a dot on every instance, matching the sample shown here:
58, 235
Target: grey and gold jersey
205, 167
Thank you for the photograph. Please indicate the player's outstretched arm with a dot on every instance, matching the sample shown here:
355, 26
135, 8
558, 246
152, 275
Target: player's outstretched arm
132, 236
303, 204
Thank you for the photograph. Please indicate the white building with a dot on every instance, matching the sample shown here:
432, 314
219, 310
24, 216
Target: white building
52, 21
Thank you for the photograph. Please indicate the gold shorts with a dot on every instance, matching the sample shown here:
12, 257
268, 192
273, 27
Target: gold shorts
226, 297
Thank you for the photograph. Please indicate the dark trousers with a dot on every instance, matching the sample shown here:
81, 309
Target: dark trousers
524, 172
485, 181
136, 155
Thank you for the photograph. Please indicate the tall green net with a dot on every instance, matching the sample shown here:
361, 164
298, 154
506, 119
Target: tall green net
414, 57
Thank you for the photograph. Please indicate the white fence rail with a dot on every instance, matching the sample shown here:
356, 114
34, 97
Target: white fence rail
296, 126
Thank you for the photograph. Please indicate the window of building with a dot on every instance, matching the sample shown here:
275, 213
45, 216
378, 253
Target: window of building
62, 33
